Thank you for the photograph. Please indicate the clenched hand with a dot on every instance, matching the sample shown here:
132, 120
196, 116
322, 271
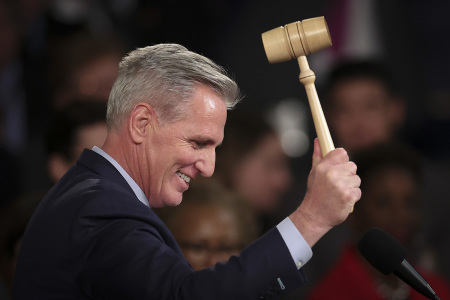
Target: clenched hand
333, 190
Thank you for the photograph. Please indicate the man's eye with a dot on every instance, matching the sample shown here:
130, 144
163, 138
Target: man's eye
199, 144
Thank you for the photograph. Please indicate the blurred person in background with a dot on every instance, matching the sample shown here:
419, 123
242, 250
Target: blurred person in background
362, 106
84, 66
13, 98
363, 109
211, 224
24, 89
252, 162
391, 187
80, 125
13, 221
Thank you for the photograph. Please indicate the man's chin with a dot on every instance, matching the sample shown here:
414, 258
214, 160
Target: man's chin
174, 200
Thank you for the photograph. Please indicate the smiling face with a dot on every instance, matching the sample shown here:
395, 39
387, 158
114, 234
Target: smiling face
180, 151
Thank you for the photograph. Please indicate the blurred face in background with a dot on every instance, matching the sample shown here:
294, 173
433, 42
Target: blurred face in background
85, 137
207, 235
363, 113
88, 137
95, 79
390, 201
262, 176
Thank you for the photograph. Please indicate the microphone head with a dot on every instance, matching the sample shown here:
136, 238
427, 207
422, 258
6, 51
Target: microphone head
382, 250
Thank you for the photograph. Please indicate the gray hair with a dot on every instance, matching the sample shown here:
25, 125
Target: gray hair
165, 76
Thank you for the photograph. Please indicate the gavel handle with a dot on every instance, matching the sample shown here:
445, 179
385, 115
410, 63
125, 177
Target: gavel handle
307, 78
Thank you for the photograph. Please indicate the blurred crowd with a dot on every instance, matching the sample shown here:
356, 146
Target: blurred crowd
383, 87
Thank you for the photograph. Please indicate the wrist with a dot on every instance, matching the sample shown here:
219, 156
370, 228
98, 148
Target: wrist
309, 226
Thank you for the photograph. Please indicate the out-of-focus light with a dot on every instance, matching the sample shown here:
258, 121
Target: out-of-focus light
295, 143
289, 118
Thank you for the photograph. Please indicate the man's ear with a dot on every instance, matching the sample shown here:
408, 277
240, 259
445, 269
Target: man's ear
141, 120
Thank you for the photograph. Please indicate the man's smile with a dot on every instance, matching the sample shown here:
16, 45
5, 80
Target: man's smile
183, 176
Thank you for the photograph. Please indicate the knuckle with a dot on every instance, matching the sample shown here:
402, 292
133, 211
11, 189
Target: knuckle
352, 167
355, 195
348, 195
321, 168
342, 153
332, 175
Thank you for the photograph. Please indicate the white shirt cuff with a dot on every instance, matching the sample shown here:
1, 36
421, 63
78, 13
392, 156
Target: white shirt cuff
300, 251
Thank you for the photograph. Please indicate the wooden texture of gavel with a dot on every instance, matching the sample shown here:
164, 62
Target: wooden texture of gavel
295, 41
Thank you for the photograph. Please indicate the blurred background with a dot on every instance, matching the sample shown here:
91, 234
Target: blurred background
57, 52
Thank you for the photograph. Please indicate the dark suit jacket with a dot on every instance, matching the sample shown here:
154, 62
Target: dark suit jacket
91, 238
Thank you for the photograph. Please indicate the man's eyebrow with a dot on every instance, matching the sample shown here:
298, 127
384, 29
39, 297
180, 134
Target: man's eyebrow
207, 140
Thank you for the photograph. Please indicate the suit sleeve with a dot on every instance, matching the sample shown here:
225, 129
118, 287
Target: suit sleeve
127, 258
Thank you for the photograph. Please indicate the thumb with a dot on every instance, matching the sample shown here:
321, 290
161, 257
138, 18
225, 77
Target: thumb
317, 155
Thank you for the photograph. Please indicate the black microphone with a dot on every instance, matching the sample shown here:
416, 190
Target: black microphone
387, 255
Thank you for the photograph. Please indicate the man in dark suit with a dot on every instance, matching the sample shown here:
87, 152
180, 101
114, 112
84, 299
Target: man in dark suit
95, 235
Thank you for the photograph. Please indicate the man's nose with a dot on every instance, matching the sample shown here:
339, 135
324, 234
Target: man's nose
206, 163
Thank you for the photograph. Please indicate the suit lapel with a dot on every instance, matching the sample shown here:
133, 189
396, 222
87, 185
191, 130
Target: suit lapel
99, 165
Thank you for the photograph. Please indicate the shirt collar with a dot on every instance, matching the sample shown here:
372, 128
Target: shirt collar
134, 186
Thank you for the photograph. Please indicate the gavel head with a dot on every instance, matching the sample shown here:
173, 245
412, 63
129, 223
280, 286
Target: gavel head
296, 39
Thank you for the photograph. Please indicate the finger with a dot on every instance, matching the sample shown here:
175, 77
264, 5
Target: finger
345, 174
356, 182
338, 156
352, 180
347, 169
357, 196
351, 167
317, 155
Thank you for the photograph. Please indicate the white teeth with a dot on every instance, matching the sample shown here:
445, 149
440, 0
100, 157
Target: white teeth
184, 177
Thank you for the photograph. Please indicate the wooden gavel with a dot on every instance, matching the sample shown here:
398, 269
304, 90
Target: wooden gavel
296, 40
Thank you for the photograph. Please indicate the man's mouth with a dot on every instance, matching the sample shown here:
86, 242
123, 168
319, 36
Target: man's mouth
183, 176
